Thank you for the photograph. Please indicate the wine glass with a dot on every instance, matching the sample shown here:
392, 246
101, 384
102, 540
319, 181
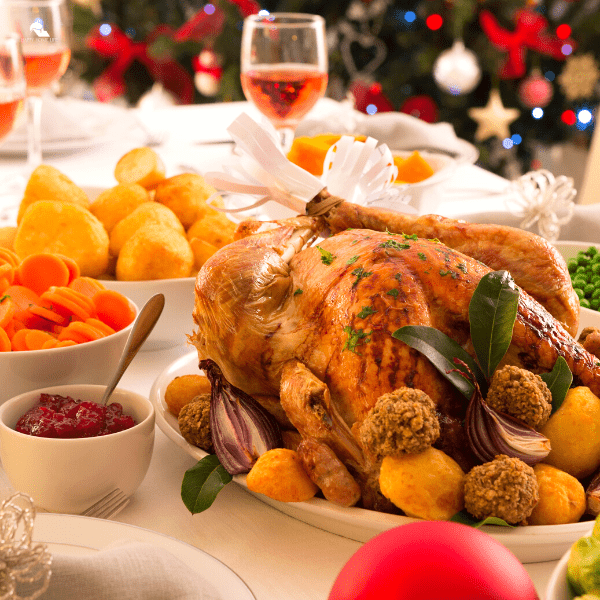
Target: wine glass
284, 67
12, 82
45, 30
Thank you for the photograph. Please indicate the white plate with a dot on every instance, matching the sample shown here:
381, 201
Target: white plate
529, 544
99, 124
73, 534
558, 586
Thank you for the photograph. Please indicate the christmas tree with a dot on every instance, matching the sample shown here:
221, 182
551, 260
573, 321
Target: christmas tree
508, 74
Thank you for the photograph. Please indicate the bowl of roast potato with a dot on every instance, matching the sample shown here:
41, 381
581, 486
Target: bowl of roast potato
147, 233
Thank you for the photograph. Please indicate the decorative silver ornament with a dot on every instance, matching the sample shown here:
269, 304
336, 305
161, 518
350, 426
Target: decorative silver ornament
457, 70
540, 197
22, 562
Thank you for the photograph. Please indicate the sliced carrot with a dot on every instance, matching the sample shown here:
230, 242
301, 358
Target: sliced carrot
5, 345
19, 340
73, 267
113, 309
12, 328
7, 271
68, 306
74, 296
86, 286
35, 338
103, 327
42, 270
7, 311
9, 256
22, 296
86, 330
52, 342
48, 314
69, 334
65, 343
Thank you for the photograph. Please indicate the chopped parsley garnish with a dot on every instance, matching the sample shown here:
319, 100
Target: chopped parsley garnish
298, 291
394, 244
393, 292
355, 338
353, 242
398, 276
4, 297
414, 236
462, 267
326, 257
453, 274
365, 312
422, 256
352, 260
360, 273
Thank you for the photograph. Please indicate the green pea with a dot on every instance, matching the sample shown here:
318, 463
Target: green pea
584, 302
580, 281
596, 293
579, 293
595, 303
588, 289
596, 258
572, 264
592, 250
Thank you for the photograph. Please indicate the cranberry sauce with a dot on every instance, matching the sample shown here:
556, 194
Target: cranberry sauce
57, 416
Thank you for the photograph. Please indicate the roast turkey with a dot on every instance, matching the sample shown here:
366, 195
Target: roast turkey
277, 296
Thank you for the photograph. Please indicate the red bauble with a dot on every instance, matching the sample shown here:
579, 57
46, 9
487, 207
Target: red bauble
367, 94
423, 107
535, 90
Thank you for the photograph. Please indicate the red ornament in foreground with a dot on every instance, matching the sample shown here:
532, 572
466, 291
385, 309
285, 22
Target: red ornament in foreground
433, 559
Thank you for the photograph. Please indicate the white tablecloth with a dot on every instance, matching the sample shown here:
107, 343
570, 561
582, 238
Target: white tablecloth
279, 558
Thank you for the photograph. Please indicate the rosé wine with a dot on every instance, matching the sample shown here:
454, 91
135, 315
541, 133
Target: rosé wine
284, 93
44, 64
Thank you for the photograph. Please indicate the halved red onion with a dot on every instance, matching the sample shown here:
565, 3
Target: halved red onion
491, 433
241, 428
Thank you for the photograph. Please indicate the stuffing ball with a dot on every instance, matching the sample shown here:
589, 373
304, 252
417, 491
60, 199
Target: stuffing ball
505, 487
589, 338
194, 422
401, 422
520, 394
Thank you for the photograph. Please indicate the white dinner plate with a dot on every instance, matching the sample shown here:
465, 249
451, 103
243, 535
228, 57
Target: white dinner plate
97, 123
528, 544
76, 535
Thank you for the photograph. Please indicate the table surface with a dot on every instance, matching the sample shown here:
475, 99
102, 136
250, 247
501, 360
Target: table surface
279, 557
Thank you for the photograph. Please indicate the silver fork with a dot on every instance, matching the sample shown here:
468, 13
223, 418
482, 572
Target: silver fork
108, 506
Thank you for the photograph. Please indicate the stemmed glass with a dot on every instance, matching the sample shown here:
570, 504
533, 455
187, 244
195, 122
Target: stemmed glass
284, 67
45, 30
12, 82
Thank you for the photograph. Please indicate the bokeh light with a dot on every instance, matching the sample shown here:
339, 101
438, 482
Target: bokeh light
371, 109
105, 29
434, 22
209, 9
568, 117
537, 113
563, 31
566, 49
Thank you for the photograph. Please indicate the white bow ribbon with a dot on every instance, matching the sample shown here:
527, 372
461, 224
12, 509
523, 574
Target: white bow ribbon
543, 198
359, 172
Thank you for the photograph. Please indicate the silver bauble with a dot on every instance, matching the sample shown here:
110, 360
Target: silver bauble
457, 70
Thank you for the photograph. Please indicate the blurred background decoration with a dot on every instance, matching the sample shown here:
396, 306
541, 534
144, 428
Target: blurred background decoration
518, 78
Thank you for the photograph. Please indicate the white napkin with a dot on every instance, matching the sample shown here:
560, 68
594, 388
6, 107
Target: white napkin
126, 571
398, 130
59, 122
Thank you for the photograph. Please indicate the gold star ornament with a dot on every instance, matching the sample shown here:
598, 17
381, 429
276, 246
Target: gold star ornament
493, 119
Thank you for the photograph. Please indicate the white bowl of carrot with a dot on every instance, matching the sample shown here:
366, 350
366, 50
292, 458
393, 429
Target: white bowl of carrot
57, 327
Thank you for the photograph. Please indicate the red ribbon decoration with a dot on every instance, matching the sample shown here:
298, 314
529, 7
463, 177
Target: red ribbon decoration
530, 32
118, 46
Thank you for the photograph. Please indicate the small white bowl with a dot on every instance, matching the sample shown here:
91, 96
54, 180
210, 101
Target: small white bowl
176, 319
69, 475
90, 362
568, 250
